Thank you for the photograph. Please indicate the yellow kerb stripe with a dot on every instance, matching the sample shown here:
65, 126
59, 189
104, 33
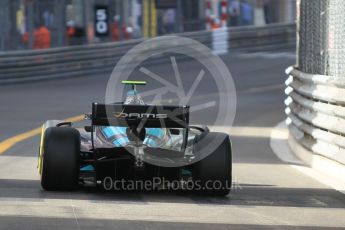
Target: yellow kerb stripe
10, 142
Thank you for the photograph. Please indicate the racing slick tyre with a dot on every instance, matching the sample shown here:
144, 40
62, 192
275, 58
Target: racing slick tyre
212, 175
60, 158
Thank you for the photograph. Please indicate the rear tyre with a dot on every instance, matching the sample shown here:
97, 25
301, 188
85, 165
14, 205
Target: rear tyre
212, 175
61, 156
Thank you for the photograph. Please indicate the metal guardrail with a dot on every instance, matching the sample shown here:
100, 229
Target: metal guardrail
315, 107
73, 61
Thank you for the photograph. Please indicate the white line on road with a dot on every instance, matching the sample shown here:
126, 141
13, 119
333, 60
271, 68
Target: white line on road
268, 55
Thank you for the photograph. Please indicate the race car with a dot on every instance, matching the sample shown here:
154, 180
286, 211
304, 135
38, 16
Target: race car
132, 140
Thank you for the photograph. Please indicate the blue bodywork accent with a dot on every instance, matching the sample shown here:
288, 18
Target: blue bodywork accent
156, 132
186, 172
132, 93
87, 168
122, 139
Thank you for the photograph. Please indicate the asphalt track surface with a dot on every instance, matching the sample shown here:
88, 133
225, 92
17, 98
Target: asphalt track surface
267, 194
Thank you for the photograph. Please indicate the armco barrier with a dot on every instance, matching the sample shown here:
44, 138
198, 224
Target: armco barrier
315, 107
72, 61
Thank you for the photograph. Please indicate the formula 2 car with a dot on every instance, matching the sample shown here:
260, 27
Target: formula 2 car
133, 141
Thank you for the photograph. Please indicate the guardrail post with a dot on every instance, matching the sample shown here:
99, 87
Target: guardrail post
60, 30
2, 28
220, 40
31, 26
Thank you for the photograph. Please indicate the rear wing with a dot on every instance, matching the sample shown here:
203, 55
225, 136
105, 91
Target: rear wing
149, 116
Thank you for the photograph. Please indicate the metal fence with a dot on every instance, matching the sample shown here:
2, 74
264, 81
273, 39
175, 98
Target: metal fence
20, 66
321, 33
316, 86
